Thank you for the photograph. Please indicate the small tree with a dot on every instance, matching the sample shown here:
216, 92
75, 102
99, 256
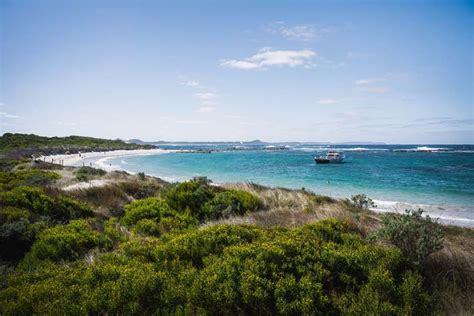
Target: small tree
361, 201
416, 235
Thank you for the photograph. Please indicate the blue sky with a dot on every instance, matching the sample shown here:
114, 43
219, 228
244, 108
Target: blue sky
397, 72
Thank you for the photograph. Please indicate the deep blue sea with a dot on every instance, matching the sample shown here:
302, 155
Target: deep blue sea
441, 181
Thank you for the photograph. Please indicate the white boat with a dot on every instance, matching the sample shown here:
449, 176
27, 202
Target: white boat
331, 157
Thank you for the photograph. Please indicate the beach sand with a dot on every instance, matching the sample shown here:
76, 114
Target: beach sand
92, 157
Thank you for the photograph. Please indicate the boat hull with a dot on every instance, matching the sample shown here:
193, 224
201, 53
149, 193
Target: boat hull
326, 161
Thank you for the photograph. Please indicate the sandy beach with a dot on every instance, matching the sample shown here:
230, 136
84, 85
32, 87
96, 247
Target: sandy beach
92, 157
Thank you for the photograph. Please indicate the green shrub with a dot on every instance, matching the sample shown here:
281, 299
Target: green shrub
141, 176
85, 173
25, 211
10, 180
153, 216
68, 242
150, 208
317, 269
416, 236
231, 202
16, 233
190, 195
361, 201
140, 189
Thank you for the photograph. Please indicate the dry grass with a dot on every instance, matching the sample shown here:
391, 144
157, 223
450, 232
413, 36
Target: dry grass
293, 208
450, 272
108, 200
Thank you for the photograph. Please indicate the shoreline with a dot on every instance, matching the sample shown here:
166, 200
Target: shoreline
74, 160
98, 159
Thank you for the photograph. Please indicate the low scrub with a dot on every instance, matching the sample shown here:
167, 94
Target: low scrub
321, 199
361, 201
316, 269
230, 203
25, 211
190, 196
417, 236
140, 189
153, 216
110, 197
10, 180
68, 242
86, 173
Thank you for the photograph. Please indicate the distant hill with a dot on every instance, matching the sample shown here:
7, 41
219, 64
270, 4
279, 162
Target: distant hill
23, 145
136, 141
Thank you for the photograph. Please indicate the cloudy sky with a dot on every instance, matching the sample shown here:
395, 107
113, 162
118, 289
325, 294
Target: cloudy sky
397, 72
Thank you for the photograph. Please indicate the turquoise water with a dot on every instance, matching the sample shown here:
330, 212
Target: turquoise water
444, 180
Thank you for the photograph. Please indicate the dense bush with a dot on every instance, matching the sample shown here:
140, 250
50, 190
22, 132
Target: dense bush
190, 195
153, 216
68, 242
230, 202
316, 269
59, 209
10, 180
85, 173
417, 236
25, 211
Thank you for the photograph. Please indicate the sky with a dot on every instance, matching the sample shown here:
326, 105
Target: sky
320, 71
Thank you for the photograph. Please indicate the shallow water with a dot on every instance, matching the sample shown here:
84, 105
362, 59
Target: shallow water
442, 182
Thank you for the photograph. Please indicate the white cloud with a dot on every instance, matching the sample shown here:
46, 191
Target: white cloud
205, 95
7, 115
267, 58
304, 32
232, 116
379, 90
327, 101
190, 122
300, 32
387, 78
239, 64
362, 82
206, 109
190, 83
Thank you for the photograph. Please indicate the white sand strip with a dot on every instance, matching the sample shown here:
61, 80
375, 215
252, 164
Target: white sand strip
77, 159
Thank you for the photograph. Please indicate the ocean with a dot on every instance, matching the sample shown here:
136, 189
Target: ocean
437, 178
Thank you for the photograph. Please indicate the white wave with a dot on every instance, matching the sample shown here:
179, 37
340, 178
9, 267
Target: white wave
360, 149
426, 148
102, 164
307, 149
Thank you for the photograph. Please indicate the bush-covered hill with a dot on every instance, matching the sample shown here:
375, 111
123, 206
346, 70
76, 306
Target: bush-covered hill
27, 144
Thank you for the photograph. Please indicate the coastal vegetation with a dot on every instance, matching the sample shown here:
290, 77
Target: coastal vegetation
138, 245
24, 145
